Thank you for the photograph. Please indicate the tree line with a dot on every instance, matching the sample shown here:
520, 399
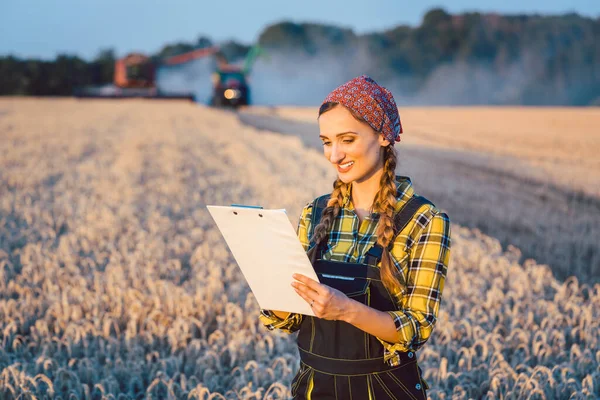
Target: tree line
559, 55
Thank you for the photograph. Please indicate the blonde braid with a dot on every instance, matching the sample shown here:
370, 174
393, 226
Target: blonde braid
385, 203
321, 231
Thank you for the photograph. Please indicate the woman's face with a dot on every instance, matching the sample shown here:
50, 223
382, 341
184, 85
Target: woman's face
353, 147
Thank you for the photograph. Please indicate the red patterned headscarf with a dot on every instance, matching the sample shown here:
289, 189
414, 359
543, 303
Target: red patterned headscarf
372, 102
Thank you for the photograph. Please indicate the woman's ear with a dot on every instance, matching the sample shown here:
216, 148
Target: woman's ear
383, 141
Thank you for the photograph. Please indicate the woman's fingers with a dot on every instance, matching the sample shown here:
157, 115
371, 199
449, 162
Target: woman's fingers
310, 296
307, 293
322, 298
311, 283
312, 302
304, 296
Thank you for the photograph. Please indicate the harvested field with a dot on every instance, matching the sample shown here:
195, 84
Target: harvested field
115, 282
555, 145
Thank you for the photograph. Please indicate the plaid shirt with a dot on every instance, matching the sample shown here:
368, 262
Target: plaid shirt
421, 250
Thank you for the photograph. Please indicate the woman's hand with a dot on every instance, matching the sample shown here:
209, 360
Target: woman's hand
326, 302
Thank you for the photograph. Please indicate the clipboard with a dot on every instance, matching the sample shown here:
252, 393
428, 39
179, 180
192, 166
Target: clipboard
267, 249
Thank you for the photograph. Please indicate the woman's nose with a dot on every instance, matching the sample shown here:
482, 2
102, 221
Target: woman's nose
336, 155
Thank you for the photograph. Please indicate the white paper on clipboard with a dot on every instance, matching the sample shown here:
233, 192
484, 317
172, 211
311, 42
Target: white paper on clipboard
267, 250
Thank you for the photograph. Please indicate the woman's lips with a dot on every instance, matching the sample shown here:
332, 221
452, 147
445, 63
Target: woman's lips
347, 168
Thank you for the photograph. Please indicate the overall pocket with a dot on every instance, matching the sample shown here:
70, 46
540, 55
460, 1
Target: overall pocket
349, 278
349, 286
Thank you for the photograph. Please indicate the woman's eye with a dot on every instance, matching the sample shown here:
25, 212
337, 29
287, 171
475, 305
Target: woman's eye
326, 143
348, 141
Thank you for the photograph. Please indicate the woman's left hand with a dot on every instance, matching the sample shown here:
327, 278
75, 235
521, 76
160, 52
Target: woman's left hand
326, 302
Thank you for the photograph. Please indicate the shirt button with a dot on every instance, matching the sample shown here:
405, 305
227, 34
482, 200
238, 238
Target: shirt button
410, 354
418, 386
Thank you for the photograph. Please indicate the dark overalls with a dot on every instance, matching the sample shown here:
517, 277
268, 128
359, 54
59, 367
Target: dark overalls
340, 361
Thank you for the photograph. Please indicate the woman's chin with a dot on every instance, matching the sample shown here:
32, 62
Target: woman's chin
345, 177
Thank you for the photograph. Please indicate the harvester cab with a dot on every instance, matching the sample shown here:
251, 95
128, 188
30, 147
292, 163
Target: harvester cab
230, 85
231, 82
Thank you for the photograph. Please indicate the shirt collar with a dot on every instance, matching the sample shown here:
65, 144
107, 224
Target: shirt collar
404, 191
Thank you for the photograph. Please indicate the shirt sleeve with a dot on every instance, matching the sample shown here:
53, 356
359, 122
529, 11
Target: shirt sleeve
292, 322
426, 270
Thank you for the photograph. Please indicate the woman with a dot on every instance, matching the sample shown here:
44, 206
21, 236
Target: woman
381, 253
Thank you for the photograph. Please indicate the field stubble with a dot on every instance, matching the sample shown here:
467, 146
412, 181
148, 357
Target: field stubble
115, 282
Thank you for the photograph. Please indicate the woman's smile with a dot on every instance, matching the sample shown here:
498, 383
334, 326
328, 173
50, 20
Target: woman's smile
342, 168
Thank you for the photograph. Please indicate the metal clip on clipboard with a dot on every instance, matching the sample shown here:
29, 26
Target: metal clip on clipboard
245, 206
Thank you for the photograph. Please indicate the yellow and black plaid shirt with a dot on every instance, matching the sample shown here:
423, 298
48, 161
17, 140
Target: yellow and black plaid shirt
421, 250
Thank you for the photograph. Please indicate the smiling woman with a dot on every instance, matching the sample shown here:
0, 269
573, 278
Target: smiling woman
381, 253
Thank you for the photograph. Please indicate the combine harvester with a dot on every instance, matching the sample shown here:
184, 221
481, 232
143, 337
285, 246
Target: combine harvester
135, 77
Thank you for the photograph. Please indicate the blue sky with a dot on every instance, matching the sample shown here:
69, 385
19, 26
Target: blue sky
43, 28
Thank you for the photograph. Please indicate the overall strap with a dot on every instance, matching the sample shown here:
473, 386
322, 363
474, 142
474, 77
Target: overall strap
319, 204
407, 212
373, 255
401, 219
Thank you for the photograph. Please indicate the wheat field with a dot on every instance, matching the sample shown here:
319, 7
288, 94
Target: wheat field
116, 284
